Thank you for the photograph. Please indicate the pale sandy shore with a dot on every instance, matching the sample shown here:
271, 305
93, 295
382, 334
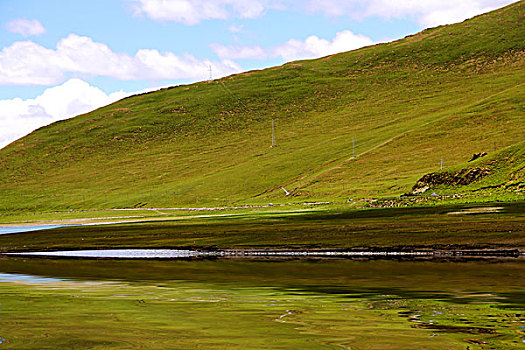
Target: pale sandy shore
163, 214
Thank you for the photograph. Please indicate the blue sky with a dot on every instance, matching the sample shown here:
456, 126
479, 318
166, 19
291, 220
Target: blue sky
62, 58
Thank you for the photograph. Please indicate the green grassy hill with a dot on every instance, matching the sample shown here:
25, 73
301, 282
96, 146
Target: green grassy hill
448, 92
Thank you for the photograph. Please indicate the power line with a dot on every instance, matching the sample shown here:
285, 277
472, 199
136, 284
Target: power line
231, 93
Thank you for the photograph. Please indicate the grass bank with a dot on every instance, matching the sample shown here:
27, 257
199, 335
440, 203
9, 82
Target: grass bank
499, 225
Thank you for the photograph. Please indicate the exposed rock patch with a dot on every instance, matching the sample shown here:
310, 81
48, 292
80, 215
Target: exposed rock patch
462, 177
477, 155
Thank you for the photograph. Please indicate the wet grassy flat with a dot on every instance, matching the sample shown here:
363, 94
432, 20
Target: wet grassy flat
499, 226
217, 304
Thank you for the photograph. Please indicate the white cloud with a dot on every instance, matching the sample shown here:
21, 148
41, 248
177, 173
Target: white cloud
25, 27
155, 65
294, 49
314, 46
236, 28
27, 63
19, 117
426, 12
238, 52
191, 12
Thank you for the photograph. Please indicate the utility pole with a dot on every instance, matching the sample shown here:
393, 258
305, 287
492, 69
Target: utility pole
273, 133
353, 146
211, 77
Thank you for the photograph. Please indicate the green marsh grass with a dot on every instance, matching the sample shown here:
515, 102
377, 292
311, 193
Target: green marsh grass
387, 228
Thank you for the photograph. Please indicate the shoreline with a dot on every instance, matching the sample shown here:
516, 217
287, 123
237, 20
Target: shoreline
495, 230
157, 214
185, 253
132, 219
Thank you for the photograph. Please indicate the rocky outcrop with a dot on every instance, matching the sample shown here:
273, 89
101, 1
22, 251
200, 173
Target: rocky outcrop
462, 177
477, 155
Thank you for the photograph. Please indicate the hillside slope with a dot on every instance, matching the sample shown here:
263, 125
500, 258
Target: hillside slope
503, 171
448, 92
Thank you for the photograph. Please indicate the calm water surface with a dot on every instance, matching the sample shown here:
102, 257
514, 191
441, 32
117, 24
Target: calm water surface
261, 304
16, 229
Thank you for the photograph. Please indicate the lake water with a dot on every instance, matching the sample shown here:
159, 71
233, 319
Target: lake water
17, 229
261, 304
